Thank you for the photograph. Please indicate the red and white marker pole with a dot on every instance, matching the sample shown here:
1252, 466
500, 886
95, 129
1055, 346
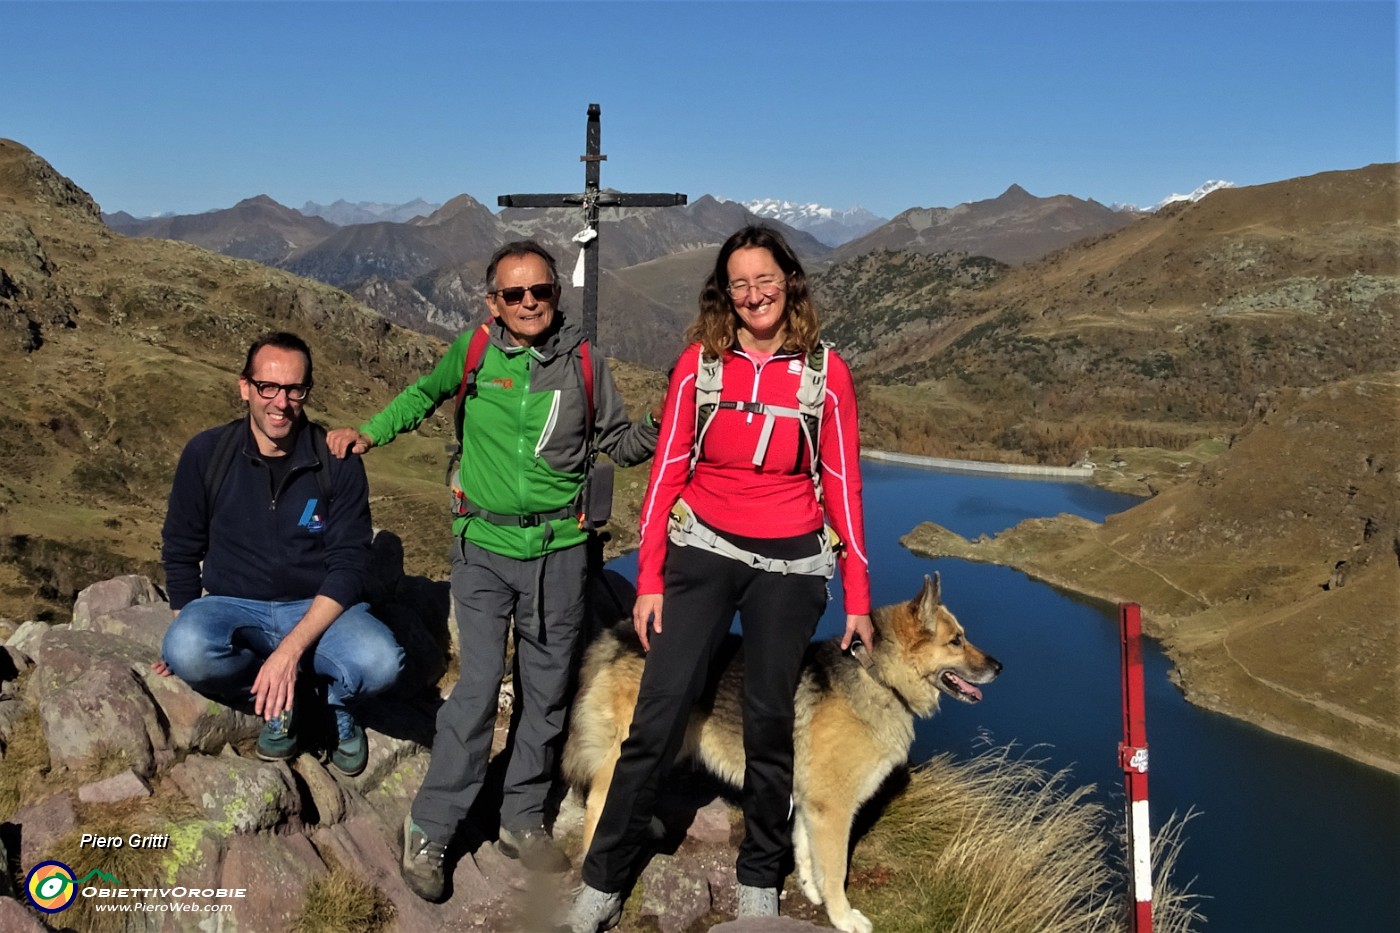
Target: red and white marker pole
1132, 755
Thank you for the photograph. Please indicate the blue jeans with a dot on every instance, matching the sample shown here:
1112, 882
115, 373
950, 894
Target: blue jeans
218, 643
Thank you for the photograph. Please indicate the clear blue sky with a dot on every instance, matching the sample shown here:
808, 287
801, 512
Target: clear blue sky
185, 107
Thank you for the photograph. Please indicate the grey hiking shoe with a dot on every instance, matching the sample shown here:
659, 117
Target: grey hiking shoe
594, 911
757, 902
535, 849
422, 862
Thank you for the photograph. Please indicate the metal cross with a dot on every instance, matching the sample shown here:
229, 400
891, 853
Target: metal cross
591, 200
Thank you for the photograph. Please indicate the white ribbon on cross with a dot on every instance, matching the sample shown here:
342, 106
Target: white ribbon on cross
582, 238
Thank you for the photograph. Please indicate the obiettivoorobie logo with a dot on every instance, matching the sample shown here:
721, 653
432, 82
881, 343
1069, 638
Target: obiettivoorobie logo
52, 887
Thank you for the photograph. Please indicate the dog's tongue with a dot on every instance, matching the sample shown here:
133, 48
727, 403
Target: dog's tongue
965, 688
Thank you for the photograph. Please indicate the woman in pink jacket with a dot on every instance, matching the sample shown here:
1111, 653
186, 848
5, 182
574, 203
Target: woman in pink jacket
736, 524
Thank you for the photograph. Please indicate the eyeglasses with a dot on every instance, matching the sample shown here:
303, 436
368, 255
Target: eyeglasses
295, 393
767, 287
516, 293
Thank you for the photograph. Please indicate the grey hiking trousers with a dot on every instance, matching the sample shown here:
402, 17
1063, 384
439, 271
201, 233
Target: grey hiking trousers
545, 596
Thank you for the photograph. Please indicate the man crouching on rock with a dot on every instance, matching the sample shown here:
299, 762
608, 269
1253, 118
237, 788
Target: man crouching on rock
283, 531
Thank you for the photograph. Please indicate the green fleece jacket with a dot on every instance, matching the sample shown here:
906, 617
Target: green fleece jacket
524, 435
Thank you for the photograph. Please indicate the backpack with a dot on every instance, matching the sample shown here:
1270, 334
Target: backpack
227, 448
811, 395
684, 530
597, 487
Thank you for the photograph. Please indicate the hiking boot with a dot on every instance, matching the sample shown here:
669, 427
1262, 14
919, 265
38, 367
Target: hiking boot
535, 849
351, 753
277, 741
757, 902
421, 865
594, 911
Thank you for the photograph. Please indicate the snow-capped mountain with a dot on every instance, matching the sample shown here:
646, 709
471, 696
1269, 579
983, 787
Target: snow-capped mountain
1205, 189
1202, 191
829, 225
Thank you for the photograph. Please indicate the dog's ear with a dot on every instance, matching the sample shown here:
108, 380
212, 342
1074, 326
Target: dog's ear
927, 600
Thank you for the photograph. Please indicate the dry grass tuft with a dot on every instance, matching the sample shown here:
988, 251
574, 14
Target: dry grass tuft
123, 867
996, 845
339, 902
25, 766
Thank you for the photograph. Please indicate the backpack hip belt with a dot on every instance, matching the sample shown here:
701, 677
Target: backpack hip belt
685, 531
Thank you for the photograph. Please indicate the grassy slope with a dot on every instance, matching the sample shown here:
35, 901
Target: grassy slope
1272, 573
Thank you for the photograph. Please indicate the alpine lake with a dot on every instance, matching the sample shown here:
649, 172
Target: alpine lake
1283, 836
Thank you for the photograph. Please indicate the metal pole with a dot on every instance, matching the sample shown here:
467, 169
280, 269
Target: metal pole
1132, 756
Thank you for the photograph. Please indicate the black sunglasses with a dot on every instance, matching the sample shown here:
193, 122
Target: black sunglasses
516, 293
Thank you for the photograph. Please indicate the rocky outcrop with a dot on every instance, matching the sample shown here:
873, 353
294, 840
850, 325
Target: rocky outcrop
142, 759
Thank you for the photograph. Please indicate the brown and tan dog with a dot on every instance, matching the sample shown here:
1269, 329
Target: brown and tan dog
854, 726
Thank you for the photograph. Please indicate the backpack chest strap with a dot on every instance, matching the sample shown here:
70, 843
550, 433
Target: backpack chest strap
770, 415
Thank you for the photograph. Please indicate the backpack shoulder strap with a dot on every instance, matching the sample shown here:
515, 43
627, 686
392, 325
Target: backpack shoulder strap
812, 393
224, 451
476, 351
811, 396
709, 381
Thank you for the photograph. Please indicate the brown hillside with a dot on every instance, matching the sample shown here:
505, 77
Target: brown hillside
1170, 328
117, 350
1273, 576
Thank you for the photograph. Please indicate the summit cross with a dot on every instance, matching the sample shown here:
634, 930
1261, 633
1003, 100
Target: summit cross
592, 200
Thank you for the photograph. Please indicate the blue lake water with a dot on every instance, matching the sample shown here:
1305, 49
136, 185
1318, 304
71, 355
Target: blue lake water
1287, 837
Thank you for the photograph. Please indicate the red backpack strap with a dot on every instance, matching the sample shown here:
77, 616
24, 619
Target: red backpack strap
476, 349
585, 355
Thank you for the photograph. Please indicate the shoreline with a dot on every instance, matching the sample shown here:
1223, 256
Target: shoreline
1200, 692
981, 466
1181, 676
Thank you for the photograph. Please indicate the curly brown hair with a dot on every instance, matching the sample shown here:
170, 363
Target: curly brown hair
716, 327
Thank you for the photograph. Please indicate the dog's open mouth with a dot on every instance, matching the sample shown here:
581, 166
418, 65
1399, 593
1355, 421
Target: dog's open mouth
956, 687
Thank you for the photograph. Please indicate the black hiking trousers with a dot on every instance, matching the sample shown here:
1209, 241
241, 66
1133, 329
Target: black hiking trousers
778, 614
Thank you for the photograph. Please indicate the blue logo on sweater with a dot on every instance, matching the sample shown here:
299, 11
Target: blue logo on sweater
310, 519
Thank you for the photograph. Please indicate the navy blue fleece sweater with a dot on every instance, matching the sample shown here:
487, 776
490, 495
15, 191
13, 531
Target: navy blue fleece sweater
257, 542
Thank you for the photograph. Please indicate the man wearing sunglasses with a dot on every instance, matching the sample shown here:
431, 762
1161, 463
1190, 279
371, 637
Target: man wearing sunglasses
519, 549
280, 546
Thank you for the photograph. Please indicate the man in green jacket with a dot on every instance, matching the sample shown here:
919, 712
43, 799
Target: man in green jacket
518, 549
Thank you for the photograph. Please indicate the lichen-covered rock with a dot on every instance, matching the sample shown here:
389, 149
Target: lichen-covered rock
194, 722
101, 717
238, 795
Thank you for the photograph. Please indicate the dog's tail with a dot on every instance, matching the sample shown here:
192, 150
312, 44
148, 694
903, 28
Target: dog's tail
608, 681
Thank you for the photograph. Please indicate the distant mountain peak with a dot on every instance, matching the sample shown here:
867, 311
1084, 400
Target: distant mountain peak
1214, 184
345, 213
260, 199
1015, 193
829, 225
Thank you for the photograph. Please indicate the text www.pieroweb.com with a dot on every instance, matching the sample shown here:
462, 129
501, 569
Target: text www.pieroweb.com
121, 907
